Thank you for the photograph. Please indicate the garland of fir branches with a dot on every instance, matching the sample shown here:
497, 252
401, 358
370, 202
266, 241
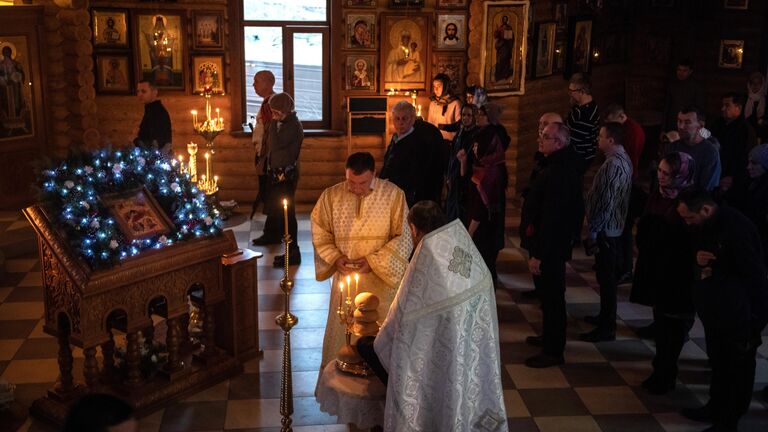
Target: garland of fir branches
70, 192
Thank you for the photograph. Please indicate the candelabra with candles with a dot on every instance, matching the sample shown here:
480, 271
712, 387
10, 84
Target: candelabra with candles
205, 182
412, 93
212, 126
286, 321
348, 360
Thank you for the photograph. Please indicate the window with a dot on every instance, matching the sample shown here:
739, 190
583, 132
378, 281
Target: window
291, 39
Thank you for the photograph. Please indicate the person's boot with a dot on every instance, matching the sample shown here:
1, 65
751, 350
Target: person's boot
598, 335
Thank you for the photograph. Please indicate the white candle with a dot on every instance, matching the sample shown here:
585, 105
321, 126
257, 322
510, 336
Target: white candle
285, 215
194, 117
341, 293
207, 165
357, 284
349, 287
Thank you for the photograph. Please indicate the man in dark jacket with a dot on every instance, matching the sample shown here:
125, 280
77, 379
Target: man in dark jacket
155, 127
550, 221
414, 160
731, 299
736, 138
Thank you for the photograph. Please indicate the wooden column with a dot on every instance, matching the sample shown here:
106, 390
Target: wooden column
90, 368
209, 330
133, 360
173, 341
108, 351
66, 382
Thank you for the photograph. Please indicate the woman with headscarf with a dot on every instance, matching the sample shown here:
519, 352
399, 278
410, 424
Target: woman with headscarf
444, 108
752, 198
664, 276
455, 203
283, 145
754, 108
486, 198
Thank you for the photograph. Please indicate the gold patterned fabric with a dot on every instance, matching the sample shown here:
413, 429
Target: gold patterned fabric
375, 227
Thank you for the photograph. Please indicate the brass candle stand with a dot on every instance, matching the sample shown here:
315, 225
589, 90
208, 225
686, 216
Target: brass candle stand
286, 321
348, 360
212, 126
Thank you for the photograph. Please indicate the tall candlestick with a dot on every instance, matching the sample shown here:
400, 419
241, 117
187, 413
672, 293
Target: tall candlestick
285, 216
207, 165
357, 283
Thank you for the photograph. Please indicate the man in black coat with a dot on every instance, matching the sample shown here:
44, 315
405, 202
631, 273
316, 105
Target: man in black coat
415, 160
155, 127
736, 138
550, 222
731, 299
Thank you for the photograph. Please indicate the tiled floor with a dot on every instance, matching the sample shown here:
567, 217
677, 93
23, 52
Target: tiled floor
598, 389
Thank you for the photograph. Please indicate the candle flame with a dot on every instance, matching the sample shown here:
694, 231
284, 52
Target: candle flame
285, 203
207, 155
357, 277
194, 112
341, 286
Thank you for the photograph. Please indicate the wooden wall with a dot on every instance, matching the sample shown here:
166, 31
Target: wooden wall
655, 38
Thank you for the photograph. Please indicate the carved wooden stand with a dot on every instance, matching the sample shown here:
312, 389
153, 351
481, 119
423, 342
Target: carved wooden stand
83, 306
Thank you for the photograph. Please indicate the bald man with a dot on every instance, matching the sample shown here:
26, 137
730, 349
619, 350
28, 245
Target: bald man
545, 119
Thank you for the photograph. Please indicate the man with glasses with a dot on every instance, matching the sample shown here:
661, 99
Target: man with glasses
550, 220
584, 118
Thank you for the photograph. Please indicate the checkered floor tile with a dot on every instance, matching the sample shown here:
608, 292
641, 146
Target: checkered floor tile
598, 389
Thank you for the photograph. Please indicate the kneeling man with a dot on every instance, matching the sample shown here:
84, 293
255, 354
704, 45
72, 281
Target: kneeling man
440, 341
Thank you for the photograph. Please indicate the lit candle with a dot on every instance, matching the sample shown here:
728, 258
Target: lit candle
215, 182
357, 283
218, 115
194, 117
341, 294
418, 111
207, 165
285, 215
349, 286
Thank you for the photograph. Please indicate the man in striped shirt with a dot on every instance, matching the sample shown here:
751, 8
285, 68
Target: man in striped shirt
606, 207
584, 118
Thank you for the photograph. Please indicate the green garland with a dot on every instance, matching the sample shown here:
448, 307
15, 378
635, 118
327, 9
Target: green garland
71, 193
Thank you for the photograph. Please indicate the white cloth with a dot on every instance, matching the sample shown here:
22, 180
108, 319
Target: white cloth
440, 341
452, 114
352, 399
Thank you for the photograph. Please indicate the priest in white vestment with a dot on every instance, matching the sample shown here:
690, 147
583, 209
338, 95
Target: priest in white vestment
440, 340
359, 226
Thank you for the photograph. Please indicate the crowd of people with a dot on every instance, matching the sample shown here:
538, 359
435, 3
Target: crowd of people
700, 231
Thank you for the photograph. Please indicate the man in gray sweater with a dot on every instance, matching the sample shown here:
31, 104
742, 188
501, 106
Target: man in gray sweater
607, 204
704, 151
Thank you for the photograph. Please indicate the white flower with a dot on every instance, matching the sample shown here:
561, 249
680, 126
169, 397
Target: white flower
113, 244
141, 161
163, 239
88, 169
95, 224
175, 187
208, 220
116, 168
166, 166
69, 184
85, 204
184, 230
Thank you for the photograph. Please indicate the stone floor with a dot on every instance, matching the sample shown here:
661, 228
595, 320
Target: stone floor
598, 389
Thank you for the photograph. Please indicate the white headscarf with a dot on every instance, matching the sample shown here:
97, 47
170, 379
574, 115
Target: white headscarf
753, 97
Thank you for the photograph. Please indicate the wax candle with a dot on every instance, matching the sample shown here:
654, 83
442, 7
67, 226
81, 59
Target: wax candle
194, 117
357, 283
418, 113
341, 294
215, 182
207, 165
285, 216
349, 287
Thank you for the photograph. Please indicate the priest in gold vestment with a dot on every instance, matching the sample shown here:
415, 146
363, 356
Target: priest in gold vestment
359, 226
